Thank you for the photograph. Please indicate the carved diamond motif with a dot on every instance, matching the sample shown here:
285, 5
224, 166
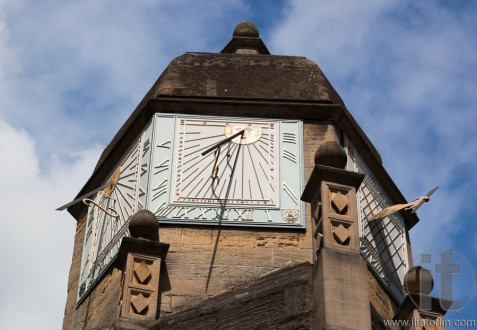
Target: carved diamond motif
142, 272
139, 304
341, 235
339, 202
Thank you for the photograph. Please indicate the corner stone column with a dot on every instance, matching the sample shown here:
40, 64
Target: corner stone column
140, 258
340, 282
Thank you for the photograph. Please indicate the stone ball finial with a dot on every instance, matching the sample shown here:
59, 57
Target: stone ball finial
331, 153
246, 29
419, 280
144, 224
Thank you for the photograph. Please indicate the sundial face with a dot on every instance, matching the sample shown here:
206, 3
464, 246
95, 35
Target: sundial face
255, 180
108, 215
258, 183
382, 241
246, 169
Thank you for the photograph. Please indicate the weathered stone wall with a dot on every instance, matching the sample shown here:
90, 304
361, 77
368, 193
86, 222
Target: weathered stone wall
101, 307
382, 306
280, 300
73, 278
201, 262
205, 260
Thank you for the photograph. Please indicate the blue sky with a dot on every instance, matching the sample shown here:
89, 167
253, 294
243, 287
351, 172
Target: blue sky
71, 72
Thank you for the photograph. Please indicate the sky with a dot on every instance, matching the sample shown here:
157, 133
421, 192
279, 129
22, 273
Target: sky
71, 73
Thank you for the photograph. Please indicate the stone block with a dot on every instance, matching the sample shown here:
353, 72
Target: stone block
170, 235
185, 287
380, 299
197, 236
234, 238
165, 306
179, 270
180, 301
193, 256
340, 291
226, 255
285, 257
277, 239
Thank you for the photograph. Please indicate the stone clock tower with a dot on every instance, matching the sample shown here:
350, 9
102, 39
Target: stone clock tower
238, 194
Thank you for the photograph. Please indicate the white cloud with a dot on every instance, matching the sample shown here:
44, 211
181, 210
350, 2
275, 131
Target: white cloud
36, 240
74, 66
406, 71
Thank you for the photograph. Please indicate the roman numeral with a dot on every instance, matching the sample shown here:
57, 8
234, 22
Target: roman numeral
289, 155
146, 146
160, 189
166, 145
183, 213
203, 211
225, 215
290, 193
144, 168
244, 214
162, 166
268, 215
289, 137
163, 210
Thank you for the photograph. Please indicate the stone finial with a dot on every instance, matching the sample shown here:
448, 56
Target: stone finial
144, 224
419, 280
246, 40
246, 29
331, 153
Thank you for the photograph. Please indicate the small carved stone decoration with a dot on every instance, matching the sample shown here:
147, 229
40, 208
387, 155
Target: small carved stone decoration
140, 261
341, 235
290, 215
246, 29
339, 203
